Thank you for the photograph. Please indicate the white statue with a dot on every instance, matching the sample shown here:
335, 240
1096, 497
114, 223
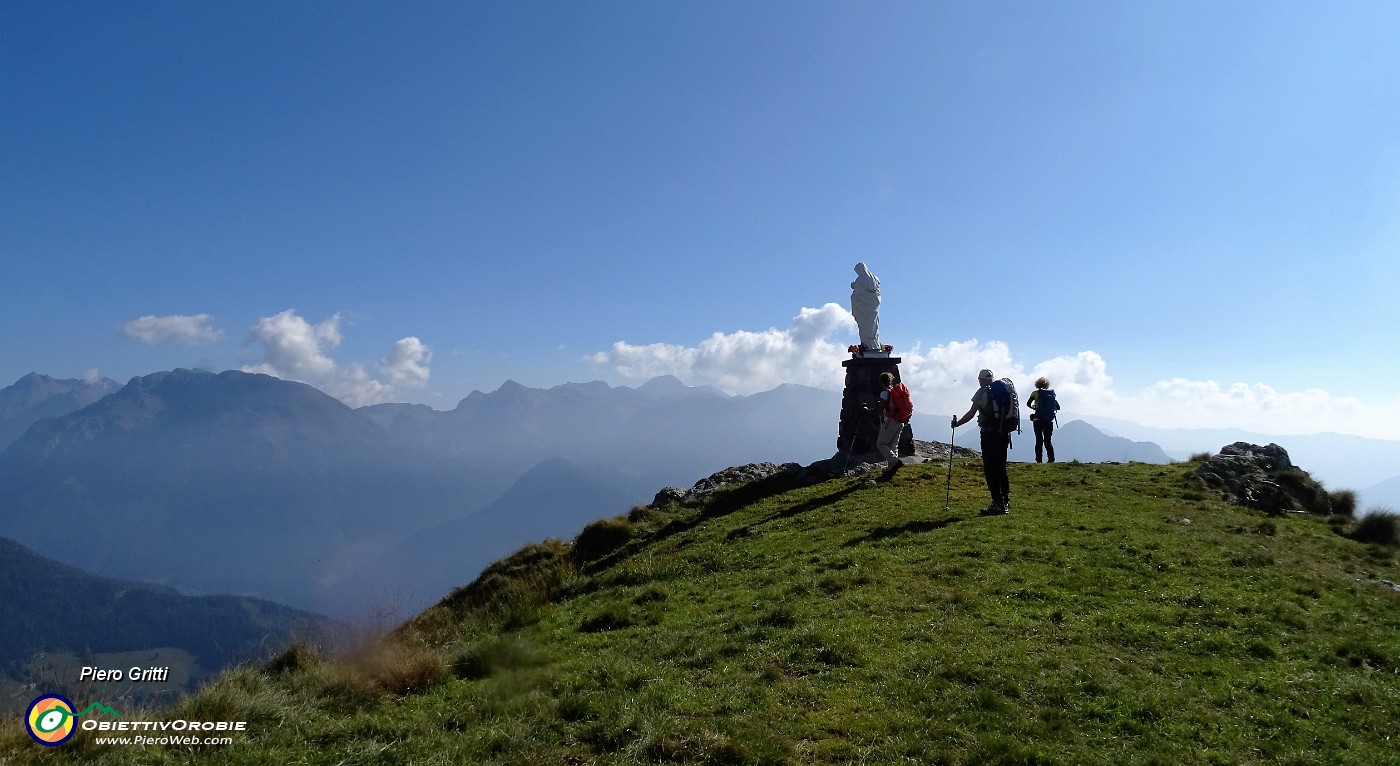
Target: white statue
865, 307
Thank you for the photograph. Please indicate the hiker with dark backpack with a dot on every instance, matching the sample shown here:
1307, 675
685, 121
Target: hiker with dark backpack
898, 407
1042, 401
998, 414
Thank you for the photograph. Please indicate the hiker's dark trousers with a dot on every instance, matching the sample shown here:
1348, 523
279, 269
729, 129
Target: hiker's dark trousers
994, 466
1044, 429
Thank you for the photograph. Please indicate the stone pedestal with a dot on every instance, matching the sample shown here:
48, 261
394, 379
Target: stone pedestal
860, 410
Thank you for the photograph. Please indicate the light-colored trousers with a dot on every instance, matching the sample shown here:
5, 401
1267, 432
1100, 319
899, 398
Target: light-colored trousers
888, 440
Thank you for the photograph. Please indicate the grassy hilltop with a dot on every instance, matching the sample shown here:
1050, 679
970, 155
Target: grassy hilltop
1121, 614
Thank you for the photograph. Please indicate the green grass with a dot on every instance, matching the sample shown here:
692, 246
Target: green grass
1120, 615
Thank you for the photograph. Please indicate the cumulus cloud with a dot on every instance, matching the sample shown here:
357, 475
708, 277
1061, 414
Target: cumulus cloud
194, 330
294, 349
1087, 390
745, 362
943, 377
1206, 403
407, 363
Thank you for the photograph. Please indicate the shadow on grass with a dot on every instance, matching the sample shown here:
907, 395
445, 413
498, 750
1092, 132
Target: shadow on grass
797, 510
717, 505
912, 528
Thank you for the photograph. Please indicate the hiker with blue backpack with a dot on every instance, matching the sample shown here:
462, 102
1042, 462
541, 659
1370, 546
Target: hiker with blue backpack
998, 414
1042, 401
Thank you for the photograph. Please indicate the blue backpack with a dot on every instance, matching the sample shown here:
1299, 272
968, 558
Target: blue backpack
1045, 404
1006, 408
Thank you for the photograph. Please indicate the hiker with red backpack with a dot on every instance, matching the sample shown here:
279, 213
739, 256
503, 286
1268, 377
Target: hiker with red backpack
897, 408
998, 414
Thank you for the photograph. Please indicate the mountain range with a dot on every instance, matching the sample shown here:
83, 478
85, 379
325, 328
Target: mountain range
1385, 495
247, 484
228, 483
553, 499
35, 397
1075, 440
661, 433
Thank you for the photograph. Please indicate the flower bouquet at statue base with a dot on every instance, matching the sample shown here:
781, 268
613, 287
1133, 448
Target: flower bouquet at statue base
876, 353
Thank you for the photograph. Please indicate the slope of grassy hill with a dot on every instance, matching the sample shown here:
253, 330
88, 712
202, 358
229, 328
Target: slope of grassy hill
1120, 615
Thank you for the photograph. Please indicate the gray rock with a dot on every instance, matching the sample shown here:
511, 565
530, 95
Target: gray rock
838, 465
1263, 478
736, 475
668, 495
729, 477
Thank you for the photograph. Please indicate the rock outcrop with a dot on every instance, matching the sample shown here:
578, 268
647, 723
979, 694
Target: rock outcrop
729, 477
840, 464
1264, 478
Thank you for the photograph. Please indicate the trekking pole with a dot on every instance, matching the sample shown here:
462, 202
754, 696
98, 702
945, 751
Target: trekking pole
855, 436
948, 494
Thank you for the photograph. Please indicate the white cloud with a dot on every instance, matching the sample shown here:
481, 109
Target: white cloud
1087, 390
187, 330
407, 363
295, 349
943, 378
356, 388
1186, 403
745, 362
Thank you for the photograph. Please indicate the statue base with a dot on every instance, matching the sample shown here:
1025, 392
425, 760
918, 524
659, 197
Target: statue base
860, 410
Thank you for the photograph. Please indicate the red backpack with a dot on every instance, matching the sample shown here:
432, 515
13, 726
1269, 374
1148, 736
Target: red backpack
901, 407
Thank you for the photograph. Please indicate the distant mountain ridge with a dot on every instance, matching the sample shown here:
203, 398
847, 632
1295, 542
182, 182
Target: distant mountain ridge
1384, 495
554, 499
1073, 440
662, 433
230, 482
35, 397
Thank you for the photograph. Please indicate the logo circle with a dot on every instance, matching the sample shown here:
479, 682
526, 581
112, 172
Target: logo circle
49, 720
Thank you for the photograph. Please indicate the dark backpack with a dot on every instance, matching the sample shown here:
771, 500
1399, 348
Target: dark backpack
1045, 404
901, 406
1006, 408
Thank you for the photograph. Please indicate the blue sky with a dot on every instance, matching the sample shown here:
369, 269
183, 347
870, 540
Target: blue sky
1186, 213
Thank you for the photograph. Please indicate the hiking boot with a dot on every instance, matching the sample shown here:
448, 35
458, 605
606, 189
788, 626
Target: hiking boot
995, 509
